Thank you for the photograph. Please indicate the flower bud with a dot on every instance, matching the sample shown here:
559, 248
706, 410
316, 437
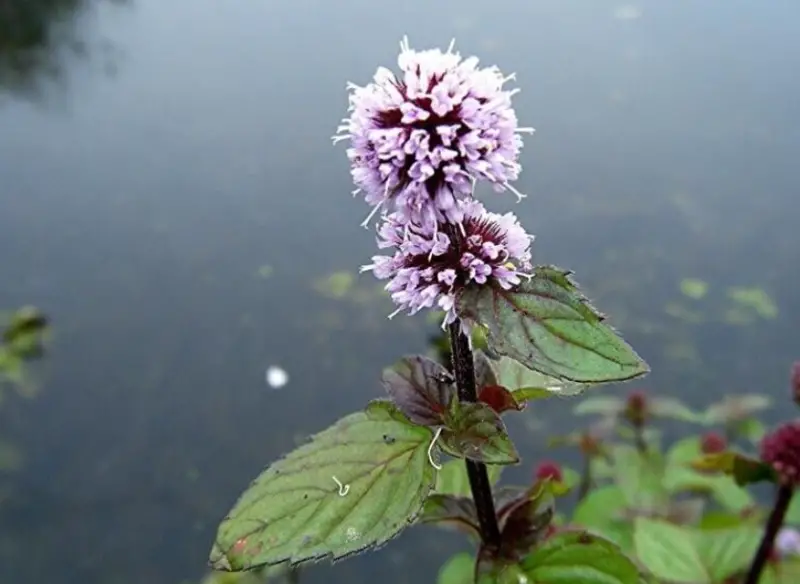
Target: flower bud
781, 450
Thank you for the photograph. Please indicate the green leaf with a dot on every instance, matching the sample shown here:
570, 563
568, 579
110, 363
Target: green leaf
669, 552
528, 384
726, 552
453, 480
353, 487
603, 511
546, 324
793, 513
579, 558
751, 429
459, 569
604, 405
744, 469
721, 520
421, 388
736, 408
640, 477
600, 506
681, 477
786, 571
694, 556
673, 409
475, 431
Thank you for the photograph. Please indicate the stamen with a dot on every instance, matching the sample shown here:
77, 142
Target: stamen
511, 188
375, 209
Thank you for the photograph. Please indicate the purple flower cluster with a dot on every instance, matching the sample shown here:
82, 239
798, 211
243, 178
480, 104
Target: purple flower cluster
429, 266
781, 450
421, 140
419, 143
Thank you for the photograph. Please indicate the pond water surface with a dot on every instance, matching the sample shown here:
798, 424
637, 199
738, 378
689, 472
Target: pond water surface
170, 197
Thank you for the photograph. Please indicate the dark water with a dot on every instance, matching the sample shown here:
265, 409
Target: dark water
157, 155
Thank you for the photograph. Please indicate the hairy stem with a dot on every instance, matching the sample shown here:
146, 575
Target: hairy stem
774, 523
464, 371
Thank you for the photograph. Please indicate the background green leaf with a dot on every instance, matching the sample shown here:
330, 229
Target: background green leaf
640, 477
681, 477
579, 558
452, 478
523, 381
727, 551
669, 552
459, 569
294, 511
694, 556
546, 324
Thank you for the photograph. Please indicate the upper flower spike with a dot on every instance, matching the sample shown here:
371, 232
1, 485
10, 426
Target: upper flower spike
430, 266
420, 140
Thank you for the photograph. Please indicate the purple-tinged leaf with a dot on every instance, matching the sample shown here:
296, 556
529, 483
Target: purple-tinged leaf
421, 388
523, 516
499, 399
457, 512
546, 324
475, 431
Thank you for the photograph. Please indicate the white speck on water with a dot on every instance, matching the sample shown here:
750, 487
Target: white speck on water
276, 377
627, 12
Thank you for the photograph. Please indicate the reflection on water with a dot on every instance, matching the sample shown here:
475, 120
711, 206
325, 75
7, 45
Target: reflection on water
187, 225
41, 39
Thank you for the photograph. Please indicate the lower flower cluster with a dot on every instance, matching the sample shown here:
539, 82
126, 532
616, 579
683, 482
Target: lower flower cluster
430, 264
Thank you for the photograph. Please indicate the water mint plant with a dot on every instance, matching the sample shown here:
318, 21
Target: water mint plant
419, 143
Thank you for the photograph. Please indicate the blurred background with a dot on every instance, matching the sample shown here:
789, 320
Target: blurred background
170, 198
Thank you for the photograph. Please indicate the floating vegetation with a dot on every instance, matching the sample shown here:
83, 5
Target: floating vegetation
23, 338
751, 302
10, 457
676, 310
741, 305
337, 285
694, 288
265, 271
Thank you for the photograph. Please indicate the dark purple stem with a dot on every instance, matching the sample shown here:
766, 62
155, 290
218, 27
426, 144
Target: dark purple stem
464, 371
774, 523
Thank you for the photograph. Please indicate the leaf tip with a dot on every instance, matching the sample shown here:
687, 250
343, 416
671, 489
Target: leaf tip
217, 560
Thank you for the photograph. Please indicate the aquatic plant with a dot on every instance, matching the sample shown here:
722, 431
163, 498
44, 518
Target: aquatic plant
420, 143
